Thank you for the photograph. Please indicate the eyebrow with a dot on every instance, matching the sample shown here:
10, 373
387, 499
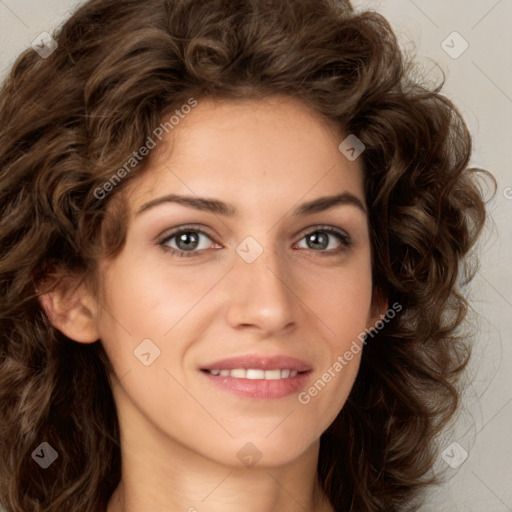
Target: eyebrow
221, 208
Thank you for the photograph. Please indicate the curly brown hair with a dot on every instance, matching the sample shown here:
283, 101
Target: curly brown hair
70, 120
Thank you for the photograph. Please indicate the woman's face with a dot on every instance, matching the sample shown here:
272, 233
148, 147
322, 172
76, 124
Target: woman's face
236, 261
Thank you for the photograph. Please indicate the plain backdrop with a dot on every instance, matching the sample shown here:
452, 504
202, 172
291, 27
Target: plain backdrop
471, 41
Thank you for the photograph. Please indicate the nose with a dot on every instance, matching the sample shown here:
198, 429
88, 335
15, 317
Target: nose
261, 295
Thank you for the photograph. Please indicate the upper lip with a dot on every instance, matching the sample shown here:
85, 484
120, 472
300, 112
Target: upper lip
260, 362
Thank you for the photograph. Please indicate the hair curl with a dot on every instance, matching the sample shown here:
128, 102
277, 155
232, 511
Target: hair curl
69, 120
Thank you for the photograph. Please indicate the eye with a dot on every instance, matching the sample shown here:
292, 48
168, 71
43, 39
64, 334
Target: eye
190, 241
186, 241
325, 239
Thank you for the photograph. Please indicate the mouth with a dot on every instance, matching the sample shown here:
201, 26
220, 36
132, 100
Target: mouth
255, 373
259, 377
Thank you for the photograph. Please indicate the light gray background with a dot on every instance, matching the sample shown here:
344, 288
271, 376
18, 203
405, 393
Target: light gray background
480, 83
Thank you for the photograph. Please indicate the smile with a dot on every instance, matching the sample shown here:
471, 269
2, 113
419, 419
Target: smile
255, 373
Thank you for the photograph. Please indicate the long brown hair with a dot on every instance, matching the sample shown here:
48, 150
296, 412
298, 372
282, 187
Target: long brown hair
70, 120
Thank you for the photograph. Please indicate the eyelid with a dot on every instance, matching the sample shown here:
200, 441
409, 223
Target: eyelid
324, 227
201, 228
344, 238
169, 233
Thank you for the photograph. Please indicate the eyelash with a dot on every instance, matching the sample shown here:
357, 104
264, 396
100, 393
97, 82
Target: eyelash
345, 240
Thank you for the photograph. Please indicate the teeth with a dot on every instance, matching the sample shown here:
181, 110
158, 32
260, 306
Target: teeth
272, 374
255, 373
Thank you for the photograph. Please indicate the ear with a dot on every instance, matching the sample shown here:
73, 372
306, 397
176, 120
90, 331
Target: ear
378, 309
72, 310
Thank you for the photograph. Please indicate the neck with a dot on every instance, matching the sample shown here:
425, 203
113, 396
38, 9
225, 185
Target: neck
158, 480
230, 494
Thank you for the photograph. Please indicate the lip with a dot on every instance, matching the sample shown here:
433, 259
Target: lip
259, 362
259, 388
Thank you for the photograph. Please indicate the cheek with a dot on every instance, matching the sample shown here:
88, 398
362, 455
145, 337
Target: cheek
149, 299
323, 398
342, 302
342, 299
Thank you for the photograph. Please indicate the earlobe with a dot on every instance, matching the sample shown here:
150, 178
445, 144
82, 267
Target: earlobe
72, 310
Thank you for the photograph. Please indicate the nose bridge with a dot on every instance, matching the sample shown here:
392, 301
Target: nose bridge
261, 295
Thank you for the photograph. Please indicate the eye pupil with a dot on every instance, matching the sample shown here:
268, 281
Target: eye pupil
318, 240
187, 240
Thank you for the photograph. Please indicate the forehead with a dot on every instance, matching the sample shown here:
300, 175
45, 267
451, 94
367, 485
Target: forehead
251, 151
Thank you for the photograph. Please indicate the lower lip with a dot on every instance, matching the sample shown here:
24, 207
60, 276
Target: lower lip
260, 388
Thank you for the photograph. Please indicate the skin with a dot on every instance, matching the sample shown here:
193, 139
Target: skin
180, 434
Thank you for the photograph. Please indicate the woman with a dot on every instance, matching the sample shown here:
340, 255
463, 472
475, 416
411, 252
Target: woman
233, 240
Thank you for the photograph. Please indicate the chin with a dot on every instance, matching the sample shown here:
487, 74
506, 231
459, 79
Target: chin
263, 452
